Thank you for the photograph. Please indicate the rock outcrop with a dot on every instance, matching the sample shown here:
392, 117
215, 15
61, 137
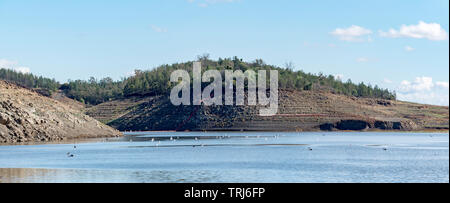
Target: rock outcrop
26, 116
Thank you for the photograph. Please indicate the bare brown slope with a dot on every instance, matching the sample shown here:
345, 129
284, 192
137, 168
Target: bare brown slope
298, 111
62, 98
27, 116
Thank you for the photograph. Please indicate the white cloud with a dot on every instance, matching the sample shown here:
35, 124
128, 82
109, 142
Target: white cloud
442, 84
431, 31
7, 64
13, 65
432, 98
419, 84
130, 73
387, 81
362, 59
158, 29
220, 1
353, 33
409, 48
22, 69
206, 3
424, 90
339, 76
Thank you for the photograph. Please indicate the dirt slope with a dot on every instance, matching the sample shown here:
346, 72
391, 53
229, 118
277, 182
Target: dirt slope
298, 111
27, 116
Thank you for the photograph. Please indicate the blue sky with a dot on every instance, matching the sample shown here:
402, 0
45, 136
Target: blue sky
401, 45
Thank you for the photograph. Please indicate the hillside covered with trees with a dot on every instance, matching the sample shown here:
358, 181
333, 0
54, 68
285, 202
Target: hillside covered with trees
29, 80
93, 91
157, 81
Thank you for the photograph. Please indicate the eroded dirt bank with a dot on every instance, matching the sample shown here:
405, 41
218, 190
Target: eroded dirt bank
298, 111
26, 116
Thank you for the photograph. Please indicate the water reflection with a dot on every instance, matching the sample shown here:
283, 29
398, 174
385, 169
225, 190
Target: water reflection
233, 157
30, 175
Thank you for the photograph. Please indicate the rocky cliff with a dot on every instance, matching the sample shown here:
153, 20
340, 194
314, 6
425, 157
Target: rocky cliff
26, 116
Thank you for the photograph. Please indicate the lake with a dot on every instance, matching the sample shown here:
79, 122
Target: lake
257, 157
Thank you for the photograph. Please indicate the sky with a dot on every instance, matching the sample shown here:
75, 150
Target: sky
401, 45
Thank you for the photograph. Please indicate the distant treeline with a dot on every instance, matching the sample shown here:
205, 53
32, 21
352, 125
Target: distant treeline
29, 80
94, 91
157, 81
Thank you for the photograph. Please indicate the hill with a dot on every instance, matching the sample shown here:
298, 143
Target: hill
27, 116
298, 111
157, 82
306, 102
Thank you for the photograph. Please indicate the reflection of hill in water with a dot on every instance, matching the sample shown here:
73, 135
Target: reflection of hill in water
30, 175
21, 175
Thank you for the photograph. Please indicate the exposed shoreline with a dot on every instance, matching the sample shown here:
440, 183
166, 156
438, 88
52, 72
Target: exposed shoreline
308, 131
26, 116
129, 134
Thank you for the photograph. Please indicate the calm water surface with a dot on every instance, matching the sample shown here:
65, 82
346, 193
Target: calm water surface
234, 157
